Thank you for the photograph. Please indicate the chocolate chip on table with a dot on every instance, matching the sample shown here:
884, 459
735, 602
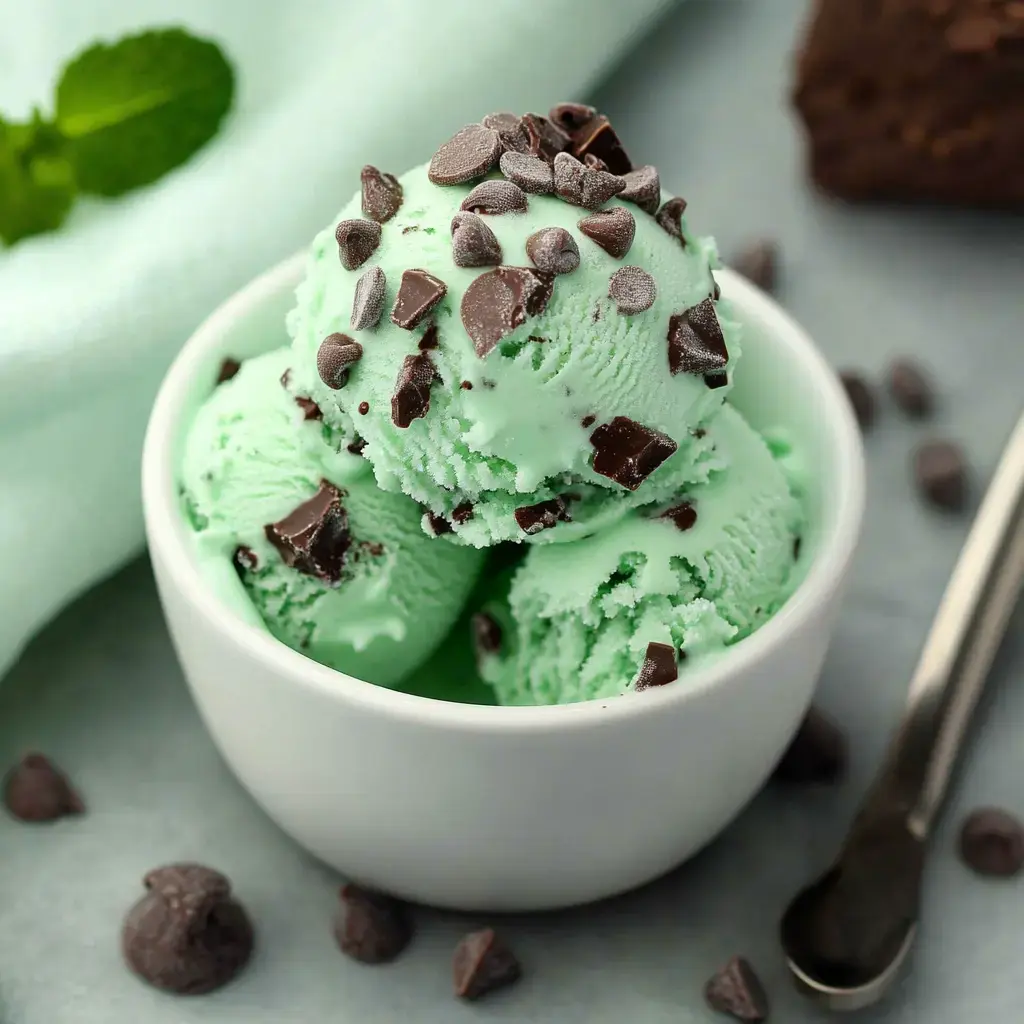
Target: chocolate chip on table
228, 368
468, 154
584, 186
187, 935
531, 173
371, 927
861, 397
510, 131
486, 634
659, 667
546, 140
417, 295
758, 263
696, 344
474, 244
683, 514
36, 790
542, 516
628, 452
357, 241
382, 194
992, 843
314, 537
910, 388
498, 301
368, 300
643, 188
482, 964
670, 217
495, 197
571, 116
411, 399
244, 559
336, 354
612, 230
817, 753
632, 290
553, 250
940, 472
597, 138
737, 990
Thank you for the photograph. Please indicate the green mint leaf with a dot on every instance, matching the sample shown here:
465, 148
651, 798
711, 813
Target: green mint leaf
134, 110
37, 182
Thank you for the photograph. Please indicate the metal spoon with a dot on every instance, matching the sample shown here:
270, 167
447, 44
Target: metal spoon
847, 935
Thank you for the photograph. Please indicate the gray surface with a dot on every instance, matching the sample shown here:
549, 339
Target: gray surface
100, 688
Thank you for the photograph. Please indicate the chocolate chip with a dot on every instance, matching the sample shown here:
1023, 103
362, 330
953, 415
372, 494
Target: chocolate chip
633, 290
411, 399
716, 380
435, 524
371, 927
758, 263
816, 755
546, 140
684, 515
314, 537
553, 250
861, 397
410, 228
530, 173
612, 229
227, 370
588, 421
597, 137
570, 116
417, 295
462, 513
670, 217
542, 516
337, 352
584, 186
35, 789
486, 634
310, 410
643, 188
430, 339
992, 843
368, 300
510, 131
357, 241
468, 154
695, 341
594, 162
374, 548
382, 194
628, 452
497, 302
358, 446
495, 197
910, 388
364, 408
474, 244
483, 964
940, 471
466, 385
737, 990
244, 559
659, 667
187, 935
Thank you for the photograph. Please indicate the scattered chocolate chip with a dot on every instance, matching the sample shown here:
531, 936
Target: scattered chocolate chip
486, 634
244, 559
374, 548
35, 789
632, 290
357, 241
371, 927
490, 385
553, 250
940, 471
684, 515
430, 340
497, 302
817, 753
542, 516
364, 408
597, 137
474, 244
571, 116
539, 339
643, 188
368, 300
227, 370
910, 388
992, 843
545, 139
510, 131
737, 990
584, 186
612, 229
699, 433
758, 263
695, 341
314, 537
495, 197
659, 667
466, 385
411, 399
187, 935
530, 173
310, 410
716, 380
382, 194
483, 964
417, 295
358, 446
337, 352
588, 421
468, 154
462, 513
861, 397
435, 524
628, 452
410, 228
670, 217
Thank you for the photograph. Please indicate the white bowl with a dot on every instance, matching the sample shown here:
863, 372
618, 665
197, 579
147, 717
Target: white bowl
496, 808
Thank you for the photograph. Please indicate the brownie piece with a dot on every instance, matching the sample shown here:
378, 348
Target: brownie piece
915, 99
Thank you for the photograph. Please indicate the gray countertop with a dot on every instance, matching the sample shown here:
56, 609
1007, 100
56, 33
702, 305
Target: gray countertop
703, 98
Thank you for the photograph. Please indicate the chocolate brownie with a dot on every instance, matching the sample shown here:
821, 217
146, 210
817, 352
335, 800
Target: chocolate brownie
915, 99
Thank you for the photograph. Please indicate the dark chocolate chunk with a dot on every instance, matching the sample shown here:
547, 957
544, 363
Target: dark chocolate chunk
364, 408
411, 399
542, 516
314, 537
228, 368
497, 302
35, 789
483, 964
462, 513
670, 217
643, 188
992, 843
940, 471
659, 667
368, 300
584, 186
816, 755
758, 263
597, 137
337, 352
628, 452
187, 935
571, 116
632, 290
737, 990
511, 132
436, 524
486, 634
910, 388
695, 341
430, 339
468, 154
358, 446
357, 241
371, 927
310, 410
716, 380
588, 421
494, 197
612, 229
545, 139
382, 194
684, 515
553, 250
474, 244
244, 559
531, 173
861, 397
417, 295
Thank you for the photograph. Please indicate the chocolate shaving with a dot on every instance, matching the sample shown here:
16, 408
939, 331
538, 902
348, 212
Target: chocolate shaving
670, 217
632, 290
411, 399
628, 452
553, 250
542, 516
357, 242
695, 341
584, 186
310, 410
497, 302
530, 173
495, 197
612, 229
336, 354
368, 300
314, 537
382, 194
643, 188
468, 154
417, 295
597, 137
659, 667
474, 244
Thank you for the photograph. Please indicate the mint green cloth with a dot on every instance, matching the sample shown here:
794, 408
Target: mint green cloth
91, 316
